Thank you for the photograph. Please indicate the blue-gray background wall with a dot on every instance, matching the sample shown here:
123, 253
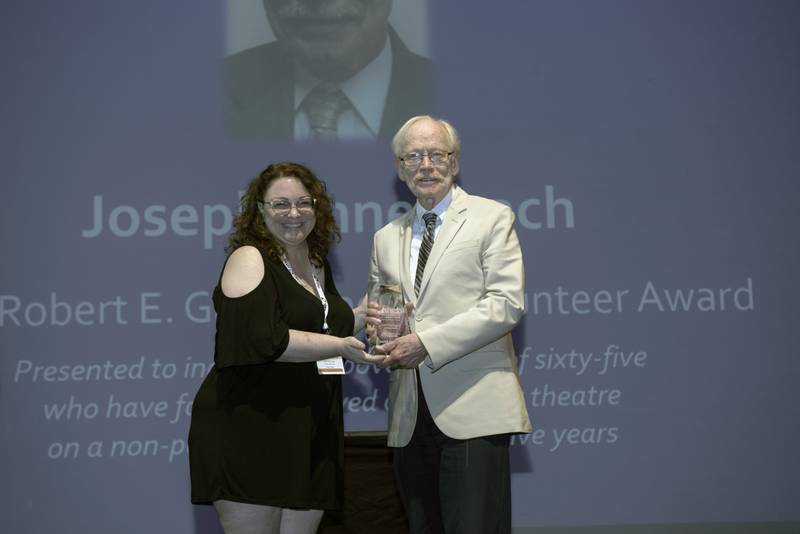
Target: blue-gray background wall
649, 149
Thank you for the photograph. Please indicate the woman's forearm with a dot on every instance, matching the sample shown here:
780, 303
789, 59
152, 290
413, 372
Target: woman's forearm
310, 347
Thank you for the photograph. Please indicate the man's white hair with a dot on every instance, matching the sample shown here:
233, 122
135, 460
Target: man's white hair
452, 134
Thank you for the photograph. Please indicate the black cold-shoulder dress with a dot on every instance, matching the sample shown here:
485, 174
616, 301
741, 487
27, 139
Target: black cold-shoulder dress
267, 432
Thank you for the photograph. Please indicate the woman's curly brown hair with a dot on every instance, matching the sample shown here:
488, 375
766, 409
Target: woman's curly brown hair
249, 227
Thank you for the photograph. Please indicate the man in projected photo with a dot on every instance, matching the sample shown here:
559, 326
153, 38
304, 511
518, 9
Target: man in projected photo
336, 71
454, 392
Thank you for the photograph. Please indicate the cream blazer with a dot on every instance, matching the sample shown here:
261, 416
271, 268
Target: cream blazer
470, 298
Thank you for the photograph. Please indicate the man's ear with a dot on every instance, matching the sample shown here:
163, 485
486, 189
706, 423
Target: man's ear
456, 168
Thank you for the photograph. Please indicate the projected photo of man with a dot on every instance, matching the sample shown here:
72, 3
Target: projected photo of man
336, 71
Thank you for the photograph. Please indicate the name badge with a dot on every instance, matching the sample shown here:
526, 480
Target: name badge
331, 366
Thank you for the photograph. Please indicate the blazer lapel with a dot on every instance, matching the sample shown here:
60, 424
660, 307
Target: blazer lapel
260, 90
406, 282
453, 221
410, 87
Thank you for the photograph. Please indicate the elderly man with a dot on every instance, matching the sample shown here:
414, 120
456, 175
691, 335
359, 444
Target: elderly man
454, 391
336, 71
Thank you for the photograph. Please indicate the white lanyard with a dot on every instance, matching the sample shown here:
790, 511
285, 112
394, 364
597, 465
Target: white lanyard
320, 293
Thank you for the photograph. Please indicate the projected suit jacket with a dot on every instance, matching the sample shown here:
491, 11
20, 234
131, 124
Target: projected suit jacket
260, 91
470, 298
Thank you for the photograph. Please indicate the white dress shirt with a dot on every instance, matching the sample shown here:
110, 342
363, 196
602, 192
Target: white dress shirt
418, 228
366, 91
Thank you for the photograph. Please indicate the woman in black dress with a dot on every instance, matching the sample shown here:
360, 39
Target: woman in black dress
265, 444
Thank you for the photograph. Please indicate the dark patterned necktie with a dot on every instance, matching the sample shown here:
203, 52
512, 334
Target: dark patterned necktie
323, 105
425, 248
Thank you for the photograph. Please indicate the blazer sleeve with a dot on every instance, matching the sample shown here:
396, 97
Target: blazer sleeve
496, 311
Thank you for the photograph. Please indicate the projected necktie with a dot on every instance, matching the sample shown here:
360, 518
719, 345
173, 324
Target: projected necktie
323, 105
425, 248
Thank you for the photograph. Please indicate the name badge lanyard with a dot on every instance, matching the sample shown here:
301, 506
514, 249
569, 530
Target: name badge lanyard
320, 293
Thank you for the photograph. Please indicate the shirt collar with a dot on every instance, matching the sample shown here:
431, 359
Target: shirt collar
438, 209
366, 90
